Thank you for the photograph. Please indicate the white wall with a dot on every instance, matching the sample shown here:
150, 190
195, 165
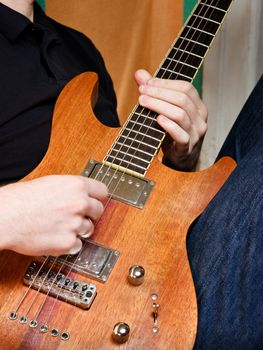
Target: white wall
231, 69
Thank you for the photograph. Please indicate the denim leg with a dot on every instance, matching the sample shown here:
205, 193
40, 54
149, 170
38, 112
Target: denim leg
248, 128
225, 245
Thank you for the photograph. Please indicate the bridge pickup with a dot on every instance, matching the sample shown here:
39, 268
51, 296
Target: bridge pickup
60, 286
123, 186
95, 261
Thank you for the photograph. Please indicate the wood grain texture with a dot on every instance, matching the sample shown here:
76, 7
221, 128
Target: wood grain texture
154, 237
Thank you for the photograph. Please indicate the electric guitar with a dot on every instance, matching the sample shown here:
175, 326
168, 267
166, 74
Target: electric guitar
130, 287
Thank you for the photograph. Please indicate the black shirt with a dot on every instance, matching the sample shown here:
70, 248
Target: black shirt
36, 61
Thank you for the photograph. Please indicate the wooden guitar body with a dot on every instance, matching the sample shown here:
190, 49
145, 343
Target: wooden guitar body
153, 237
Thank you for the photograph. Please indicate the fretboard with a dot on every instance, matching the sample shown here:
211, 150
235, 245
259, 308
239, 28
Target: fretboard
141, 136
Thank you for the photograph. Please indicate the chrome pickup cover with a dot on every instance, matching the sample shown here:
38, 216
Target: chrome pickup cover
60, 286
95, 260
122, 186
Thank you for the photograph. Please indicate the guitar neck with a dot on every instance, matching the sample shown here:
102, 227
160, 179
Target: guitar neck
187, 53
141, 136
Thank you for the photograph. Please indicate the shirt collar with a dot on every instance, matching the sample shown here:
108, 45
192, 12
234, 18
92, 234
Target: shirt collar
13, 23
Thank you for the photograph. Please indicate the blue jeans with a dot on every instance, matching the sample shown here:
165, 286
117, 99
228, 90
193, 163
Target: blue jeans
225, 244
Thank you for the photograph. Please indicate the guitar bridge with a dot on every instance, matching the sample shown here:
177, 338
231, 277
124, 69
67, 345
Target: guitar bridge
123, 186
60, 286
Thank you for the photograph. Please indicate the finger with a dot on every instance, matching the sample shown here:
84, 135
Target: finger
94, 209
65, 245
178, 134
178, 85
87, 228
176, 98
97, 189
142, 77
174, 113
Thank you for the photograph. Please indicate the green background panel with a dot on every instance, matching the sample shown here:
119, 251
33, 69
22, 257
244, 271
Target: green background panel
41, 3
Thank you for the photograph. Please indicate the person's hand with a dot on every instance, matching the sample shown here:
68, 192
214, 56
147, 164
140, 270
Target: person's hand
49, 215
181, 113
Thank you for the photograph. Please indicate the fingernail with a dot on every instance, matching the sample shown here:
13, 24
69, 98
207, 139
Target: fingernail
85, 235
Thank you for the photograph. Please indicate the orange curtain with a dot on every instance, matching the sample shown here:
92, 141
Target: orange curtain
130, 34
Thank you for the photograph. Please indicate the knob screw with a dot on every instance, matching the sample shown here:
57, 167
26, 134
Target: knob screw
121, 332
136, 275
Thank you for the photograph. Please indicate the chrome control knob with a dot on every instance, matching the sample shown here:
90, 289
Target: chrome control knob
136, 275
121, 332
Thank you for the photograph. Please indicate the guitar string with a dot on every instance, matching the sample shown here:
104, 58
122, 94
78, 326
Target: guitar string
121, 135
123, 172
38, 290
98, 173
36, 294
46, 260
116, 170
209, 6
165, 71
106, 203
30, 285
149, 111
112, 178
177, 72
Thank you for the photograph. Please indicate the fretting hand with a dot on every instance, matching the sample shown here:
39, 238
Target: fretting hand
181, 113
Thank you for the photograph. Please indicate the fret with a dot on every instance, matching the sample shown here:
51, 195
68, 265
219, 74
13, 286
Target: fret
141, 118
137, 144
222, 5
181, 56
124, 162
141, 137
215, 7
196, 36
145, 112
139, 109
119, 145
142, 126
165, 74
185, 72
130, 153
188, 52
175, 65
200, 30
144, 132
193, 47
197, 17
195, 42
204, 24
207, 11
